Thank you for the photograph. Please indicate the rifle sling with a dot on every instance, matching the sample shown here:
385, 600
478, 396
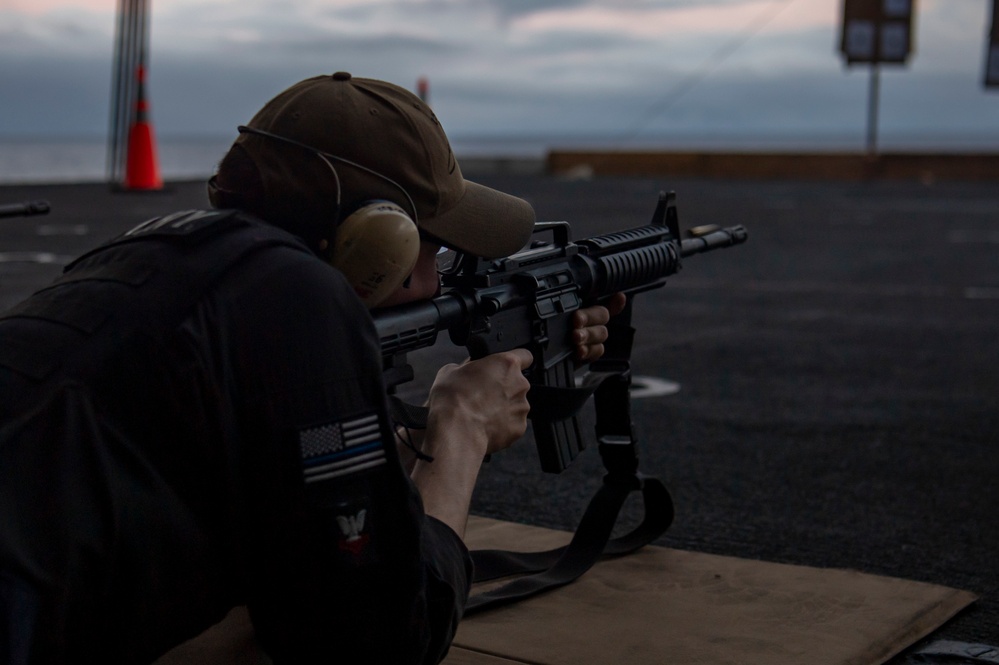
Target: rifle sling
541, 571
554, 568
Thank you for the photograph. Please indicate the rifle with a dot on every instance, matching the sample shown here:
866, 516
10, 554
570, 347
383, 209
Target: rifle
527, 300
24, 209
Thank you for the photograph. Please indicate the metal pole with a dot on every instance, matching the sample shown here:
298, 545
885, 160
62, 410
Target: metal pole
128, 76
872, 109
117, 81
123, 89
991, 74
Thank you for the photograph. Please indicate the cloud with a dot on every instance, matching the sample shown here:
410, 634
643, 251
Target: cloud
501, 66
69, 31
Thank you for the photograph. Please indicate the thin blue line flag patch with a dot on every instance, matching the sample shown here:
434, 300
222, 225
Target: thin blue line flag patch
339, 449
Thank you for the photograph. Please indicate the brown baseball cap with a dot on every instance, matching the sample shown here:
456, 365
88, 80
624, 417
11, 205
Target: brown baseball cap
389, 131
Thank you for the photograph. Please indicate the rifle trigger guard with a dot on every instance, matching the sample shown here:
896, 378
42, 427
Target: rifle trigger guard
554, 403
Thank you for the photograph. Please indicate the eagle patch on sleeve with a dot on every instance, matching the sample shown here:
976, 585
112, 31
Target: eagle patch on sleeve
339, 449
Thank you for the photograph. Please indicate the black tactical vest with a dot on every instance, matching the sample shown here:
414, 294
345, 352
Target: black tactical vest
143, 282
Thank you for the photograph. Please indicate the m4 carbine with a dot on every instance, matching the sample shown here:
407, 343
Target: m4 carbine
527, 300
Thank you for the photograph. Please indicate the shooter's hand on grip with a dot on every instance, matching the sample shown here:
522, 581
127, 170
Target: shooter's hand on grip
487, 398
475, 409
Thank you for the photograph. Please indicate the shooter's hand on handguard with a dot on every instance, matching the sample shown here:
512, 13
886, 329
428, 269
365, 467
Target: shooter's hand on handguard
591, 327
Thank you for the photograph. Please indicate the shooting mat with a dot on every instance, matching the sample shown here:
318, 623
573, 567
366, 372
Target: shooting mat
663, 605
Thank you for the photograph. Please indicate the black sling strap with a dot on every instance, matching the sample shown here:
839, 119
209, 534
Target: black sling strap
551, 569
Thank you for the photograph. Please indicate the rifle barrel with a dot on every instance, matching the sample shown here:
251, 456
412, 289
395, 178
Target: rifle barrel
726, 237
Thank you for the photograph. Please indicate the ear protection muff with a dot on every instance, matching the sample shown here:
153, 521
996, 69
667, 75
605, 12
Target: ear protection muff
376, 249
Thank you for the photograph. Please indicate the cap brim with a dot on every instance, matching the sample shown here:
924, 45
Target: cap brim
485, 222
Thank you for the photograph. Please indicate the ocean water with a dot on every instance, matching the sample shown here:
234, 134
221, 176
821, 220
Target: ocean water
55, 160
86, 159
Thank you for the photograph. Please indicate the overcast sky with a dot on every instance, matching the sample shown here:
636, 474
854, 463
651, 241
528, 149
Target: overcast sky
599, 67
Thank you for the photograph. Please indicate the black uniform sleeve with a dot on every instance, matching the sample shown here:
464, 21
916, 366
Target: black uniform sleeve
337, 554
448, 586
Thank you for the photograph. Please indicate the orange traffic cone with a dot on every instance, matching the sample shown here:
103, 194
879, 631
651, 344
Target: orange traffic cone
142, 170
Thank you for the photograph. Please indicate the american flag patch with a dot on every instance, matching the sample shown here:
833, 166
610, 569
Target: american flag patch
338, 449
